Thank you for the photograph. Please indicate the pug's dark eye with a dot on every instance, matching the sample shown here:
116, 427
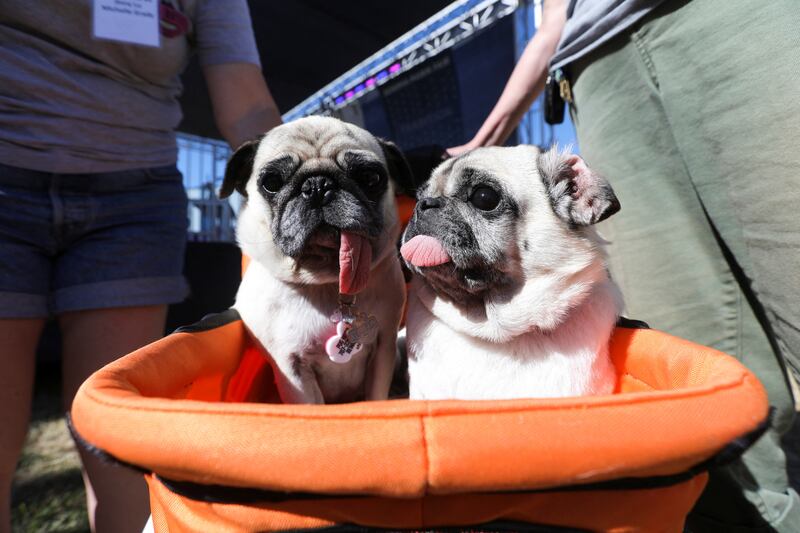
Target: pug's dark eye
484, 198
271, 182
369, 179
372, 179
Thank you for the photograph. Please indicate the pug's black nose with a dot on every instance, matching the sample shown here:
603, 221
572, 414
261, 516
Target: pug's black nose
318, 190
430, 203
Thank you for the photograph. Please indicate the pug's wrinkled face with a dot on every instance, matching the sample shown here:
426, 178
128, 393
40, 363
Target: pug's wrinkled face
494, 218
311, 187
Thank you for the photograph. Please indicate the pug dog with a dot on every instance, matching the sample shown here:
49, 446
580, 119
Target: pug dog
320, 227
511, 296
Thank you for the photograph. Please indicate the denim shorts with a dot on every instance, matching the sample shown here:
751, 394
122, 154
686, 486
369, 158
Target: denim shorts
71, 242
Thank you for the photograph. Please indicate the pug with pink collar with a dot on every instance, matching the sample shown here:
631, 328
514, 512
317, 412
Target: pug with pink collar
324, 290
511, 296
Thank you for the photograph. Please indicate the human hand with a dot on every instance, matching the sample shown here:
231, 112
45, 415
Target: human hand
455, 151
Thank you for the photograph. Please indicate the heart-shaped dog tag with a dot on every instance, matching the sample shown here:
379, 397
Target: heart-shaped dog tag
339, 348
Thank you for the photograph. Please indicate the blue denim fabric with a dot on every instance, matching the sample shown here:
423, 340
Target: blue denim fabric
72, 242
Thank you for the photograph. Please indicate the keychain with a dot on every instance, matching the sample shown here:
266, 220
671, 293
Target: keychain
354, 329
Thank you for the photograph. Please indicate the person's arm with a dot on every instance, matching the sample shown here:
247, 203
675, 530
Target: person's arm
526, 81
242, 104
225, 42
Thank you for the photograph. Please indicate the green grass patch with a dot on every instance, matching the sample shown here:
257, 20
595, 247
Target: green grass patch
47, 493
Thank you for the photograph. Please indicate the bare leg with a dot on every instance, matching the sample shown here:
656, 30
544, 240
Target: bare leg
18, 339
117, 498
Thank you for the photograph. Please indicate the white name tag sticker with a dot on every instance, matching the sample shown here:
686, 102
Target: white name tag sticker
128, 21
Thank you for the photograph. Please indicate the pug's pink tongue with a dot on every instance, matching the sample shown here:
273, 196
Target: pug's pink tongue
424, 251
355, 256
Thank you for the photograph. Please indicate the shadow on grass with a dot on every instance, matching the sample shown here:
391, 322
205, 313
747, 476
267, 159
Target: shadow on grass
50, 503
48, 494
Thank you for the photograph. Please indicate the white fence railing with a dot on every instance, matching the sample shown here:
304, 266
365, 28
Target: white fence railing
202, 162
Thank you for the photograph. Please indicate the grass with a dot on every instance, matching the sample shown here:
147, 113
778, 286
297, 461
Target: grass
48, 494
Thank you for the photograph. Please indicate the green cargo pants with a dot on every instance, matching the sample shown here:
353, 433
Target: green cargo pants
694, 116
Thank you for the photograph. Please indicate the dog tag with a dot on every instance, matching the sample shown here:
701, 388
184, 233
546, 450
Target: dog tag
340, 348
363, 329
353, 329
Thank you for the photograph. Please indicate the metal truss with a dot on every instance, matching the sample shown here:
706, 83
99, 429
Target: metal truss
440, 32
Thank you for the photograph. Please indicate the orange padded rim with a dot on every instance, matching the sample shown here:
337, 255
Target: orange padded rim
628, 511
163, 408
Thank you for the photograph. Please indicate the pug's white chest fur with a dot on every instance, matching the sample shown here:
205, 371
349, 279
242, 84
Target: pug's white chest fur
571, 360
293, 323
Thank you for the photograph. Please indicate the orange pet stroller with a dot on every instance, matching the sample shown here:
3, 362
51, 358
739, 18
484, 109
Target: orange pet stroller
198, 413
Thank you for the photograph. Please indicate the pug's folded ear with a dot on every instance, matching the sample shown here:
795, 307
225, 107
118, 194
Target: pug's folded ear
239, 168
578, 195
399, 170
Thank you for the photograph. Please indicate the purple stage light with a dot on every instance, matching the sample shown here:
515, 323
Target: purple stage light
394, 68
349, 94
370, 82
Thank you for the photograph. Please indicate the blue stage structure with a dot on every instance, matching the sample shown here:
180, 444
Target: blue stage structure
434, 85
438, 82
